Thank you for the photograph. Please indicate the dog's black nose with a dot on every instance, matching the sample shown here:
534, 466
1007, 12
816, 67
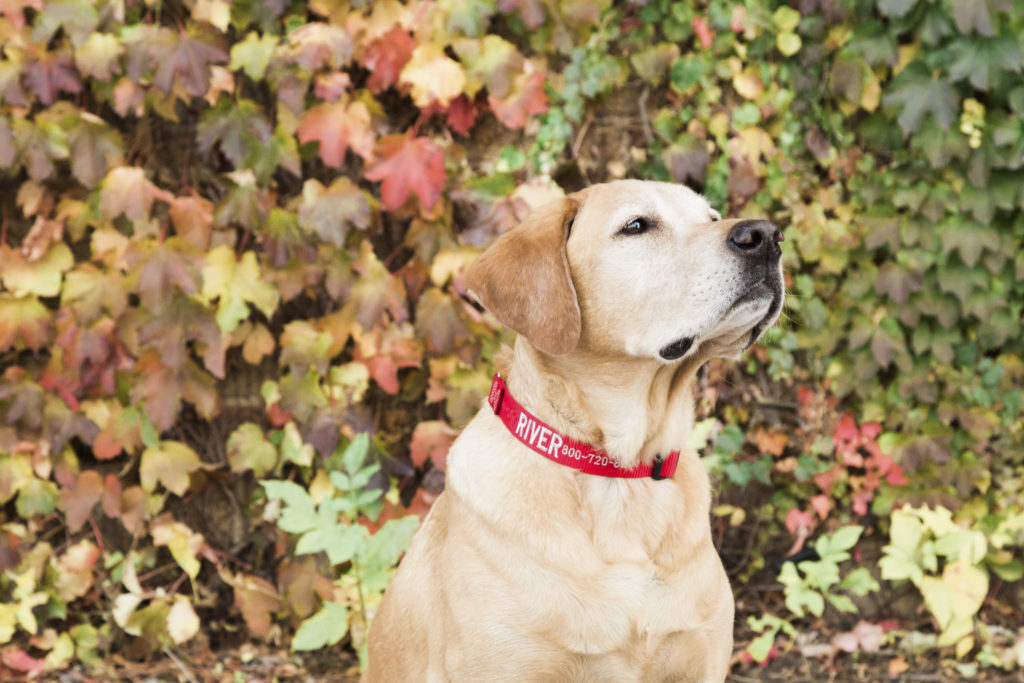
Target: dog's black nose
754, 238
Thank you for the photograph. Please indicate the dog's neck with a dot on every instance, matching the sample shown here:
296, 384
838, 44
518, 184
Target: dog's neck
632, 408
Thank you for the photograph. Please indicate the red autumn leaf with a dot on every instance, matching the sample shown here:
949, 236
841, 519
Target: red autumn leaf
846, 430
430, 441
338, 126
14, 10
527, 98
461, 114
188, 58
386, 56
17, 659
704, 33
78, 500
51, 73
406, 164
821, 505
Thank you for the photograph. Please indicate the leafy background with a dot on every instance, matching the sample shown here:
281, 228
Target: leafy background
234, 351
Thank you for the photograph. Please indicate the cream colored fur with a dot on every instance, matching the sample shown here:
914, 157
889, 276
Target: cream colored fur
526, 570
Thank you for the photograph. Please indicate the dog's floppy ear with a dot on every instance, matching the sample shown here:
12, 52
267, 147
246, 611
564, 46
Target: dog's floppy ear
523, 279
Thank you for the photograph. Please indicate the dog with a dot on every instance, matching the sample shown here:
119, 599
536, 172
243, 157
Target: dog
573, 540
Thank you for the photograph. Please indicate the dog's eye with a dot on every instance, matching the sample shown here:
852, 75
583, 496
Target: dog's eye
636, 226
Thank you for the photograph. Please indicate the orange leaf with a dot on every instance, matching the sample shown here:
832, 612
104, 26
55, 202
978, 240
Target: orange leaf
193, 219
527, 97
431, 440
770, 441
338, 126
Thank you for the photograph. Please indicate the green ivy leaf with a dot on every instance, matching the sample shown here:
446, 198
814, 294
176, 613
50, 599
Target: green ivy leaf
326, 627
919, 92
982, 61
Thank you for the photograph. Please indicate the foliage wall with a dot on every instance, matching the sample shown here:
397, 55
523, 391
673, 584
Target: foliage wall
233, 237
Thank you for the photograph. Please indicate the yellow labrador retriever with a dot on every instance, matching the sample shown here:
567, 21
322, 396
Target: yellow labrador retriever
572, 542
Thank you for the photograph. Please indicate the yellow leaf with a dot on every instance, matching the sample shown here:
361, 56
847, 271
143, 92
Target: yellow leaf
170, 465
748, 83
60, 655
963, 646
8, 622
215, 12
321, 488
450, 262
183, 543
42, 277
871, 94
234, 284
788, 43
433, 76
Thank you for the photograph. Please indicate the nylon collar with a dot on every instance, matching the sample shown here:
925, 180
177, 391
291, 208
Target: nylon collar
559, 448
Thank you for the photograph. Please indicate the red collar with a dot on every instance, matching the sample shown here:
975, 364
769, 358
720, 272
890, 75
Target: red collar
563, 450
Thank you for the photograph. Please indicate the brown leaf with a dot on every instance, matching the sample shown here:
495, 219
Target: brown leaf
50, 74
532, 12
43, 234
438, 321
256, 598
77, 501
188, 58
330, 211
193, 219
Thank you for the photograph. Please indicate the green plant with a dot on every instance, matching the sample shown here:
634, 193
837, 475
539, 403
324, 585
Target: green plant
768, 626
950, 564
809, 583
330, 524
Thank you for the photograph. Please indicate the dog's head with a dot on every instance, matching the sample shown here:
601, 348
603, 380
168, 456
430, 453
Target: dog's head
638, 268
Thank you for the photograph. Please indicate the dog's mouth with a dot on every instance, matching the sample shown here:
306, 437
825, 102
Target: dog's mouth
765, 289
